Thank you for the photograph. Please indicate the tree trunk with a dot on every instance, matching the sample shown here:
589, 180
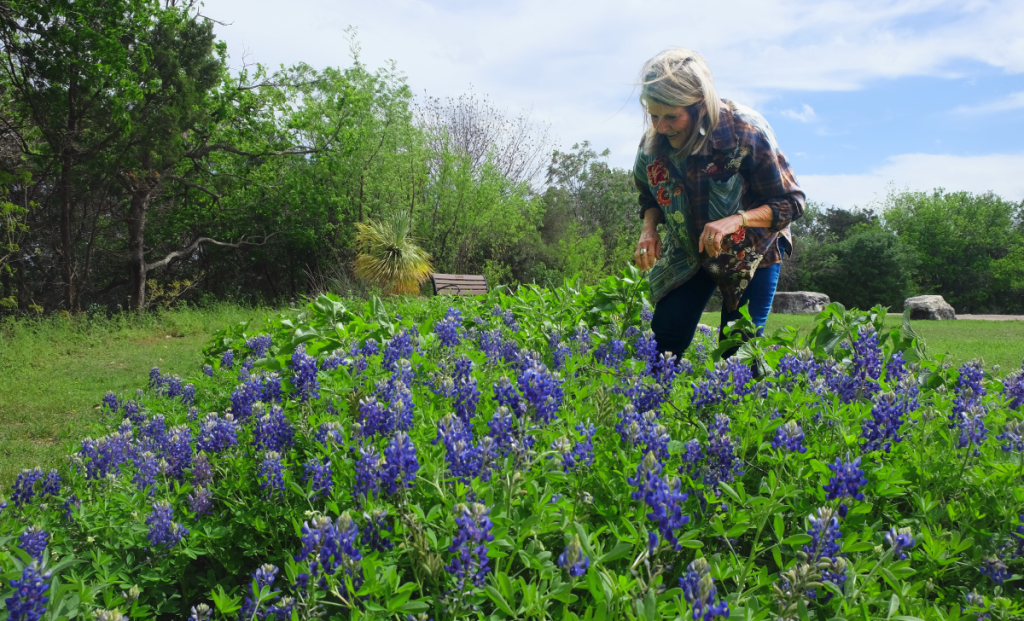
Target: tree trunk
66, 245
137, 249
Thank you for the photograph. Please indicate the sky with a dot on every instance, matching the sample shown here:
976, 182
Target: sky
864, 96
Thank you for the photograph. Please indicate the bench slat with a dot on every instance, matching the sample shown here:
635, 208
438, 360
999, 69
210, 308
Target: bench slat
459, 284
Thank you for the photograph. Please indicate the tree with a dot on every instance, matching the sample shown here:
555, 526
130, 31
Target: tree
959, 239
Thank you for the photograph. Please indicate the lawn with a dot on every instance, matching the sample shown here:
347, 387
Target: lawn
54, 372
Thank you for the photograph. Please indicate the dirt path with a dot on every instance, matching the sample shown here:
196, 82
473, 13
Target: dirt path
993, 317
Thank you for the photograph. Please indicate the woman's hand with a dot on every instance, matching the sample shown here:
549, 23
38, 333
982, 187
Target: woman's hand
648, 249
715, 232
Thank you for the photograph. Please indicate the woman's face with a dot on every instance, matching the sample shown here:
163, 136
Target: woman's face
671, 121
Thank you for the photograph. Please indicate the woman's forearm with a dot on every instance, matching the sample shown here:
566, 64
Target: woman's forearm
654, 216
760, 217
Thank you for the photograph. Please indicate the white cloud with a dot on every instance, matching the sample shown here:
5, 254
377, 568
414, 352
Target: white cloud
999, 173
804, 116
1014, 101
574, 63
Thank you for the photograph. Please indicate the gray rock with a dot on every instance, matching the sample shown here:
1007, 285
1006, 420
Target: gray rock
929, 307
799, 302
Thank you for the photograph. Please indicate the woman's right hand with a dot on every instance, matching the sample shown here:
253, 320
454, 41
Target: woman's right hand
648, 249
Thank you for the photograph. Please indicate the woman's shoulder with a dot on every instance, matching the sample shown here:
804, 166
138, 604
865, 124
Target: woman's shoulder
750, 125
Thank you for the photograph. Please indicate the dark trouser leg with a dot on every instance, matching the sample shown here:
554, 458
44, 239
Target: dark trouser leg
677, 314
758, 298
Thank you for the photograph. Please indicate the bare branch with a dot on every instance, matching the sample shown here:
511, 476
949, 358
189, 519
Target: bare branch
178, 254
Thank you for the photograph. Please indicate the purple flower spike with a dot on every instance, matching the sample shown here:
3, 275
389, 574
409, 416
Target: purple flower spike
847, 481
163, 531
789, 437
33, 541
470, 545
573, 559
700, 592
900, 540
29, 600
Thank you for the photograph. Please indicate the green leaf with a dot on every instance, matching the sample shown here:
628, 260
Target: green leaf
498, 600
797, 540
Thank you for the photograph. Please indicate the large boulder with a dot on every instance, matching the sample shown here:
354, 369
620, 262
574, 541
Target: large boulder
929, 307
799, 302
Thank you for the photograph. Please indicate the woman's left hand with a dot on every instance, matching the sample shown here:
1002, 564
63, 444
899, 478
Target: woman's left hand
715, 232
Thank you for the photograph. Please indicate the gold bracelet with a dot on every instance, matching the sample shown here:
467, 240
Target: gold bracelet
743, 216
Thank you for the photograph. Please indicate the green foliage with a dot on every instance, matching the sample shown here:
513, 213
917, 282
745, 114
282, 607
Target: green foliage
751, 528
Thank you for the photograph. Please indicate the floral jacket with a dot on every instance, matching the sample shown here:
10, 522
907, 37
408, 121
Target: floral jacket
742, 169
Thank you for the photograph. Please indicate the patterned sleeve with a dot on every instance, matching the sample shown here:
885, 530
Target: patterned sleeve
771, 182
646, 199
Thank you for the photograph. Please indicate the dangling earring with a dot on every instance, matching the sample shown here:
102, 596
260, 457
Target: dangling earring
702, 132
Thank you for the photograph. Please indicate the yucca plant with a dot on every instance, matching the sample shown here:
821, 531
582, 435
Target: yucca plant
389, 256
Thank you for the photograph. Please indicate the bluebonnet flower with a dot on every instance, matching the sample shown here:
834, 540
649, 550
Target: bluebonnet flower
400, 346
491, 345
245, 369
227, 359
246, 395
693, 457
470, 545
507, 395
259, 345
900, 540
110, 402
705, 341
1013, 389
273, 431
728, 374
1018, 536
968, 391
374, 418
502, 430
264, 577
401, 464
1013, 437
867, 360
200, 612
647, 349
217, 434
447, 329
192, 414
208, 372
304, 380
73, 502
542, 390
573, 559
973, 432
133, 412
610, 353
103, 456
270, 390
995, 569
581, 338
51, 486
397, 394
723, 465
153, 434
173, 386
3, 504
825, 546
789, 437
977, 601
162, 529
887, 416
373, 537
582, 453
329, 436
335, 360
644, 431
895, 368
155, 379
795, 366
24, 486
177, 450
271, 475
663, 497
331, 546
200, 501
700, 592
33, 541
461, 454
29, 600
646, 314
368, 473
846, 482
560, 352
320, 473
146, 469
202, 474
188, 394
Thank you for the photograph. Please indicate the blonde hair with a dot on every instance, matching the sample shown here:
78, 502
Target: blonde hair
680, 77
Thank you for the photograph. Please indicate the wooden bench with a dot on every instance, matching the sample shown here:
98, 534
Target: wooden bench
459, 284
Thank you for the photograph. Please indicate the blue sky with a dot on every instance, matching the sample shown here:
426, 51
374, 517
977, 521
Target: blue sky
863, 95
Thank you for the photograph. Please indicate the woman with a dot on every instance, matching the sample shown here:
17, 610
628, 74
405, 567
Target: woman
711, 171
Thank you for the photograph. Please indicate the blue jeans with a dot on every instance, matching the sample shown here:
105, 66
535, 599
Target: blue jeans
677, 314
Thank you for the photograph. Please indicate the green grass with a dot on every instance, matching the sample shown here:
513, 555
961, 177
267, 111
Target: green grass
55, 371
995, 342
